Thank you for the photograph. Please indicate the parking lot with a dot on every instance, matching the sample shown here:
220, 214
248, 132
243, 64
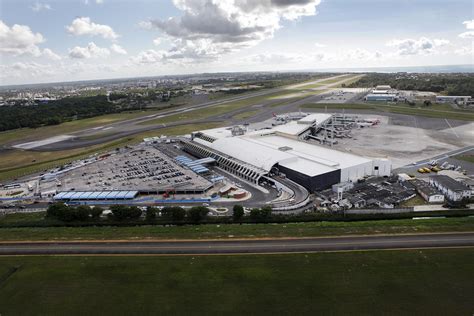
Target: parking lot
143, 168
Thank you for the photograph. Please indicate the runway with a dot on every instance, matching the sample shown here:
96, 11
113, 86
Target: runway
245, 246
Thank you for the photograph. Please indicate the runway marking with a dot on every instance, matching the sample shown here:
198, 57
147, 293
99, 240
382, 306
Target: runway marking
452, 129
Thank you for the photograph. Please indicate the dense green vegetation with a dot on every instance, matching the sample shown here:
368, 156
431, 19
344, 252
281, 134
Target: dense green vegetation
450, 84
412, 282
55, 112
466, 157
35, 226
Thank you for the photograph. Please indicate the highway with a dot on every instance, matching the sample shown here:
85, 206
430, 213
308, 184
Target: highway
244, 246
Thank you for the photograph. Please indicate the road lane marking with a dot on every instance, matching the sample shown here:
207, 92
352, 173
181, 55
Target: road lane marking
233, 254
217, 247
452, 129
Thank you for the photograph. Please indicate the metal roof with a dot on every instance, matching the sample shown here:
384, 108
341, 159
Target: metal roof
95, 195
449, 183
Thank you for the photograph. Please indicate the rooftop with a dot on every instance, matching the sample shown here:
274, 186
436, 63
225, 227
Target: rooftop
449, 183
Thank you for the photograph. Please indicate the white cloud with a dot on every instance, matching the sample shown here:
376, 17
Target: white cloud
146, 25
39, 6
470, 27
469, 24
157, 41
48, 53
421, 46
467, 35
465, 51
86, 2
275, 58
185, 52
28, 69
361, 54
19, 40
150, 56
221, 26
84, 26
319, 45
118, 49
90, 51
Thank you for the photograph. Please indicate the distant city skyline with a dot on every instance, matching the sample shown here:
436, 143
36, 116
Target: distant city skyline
47, 41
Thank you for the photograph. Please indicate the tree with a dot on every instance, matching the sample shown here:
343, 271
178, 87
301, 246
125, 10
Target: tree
266, 211
119, 212
255, 213
261, 213
134, 212
175, 213
81, 213
237, 212
122, 212
56, 210
197, 213
96, 211
151, 213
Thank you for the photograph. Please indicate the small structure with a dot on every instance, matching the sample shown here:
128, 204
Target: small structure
455, 191
381, 97
427, 192
463, 99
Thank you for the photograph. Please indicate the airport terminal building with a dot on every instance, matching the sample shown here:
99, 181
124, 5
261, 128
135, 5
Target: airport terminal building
253, 154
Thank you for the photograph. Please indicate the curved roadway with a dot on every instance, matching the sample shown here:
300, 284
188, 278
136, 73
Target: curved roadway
249, 246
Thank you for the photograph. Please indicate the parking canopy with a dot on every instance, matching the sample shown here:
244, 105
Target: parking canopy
95, 195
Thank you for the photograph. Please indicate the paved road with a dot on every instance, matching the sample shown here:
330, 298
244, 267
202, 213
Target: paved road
350, 243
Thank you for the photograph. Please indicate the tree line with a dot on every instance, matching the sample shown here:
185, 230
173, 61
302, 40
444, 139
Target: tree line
123, 213
56, 112
450, 84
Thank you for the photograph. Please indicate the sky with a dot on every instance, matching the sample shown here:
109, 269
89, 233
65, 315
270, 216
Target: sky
68, 40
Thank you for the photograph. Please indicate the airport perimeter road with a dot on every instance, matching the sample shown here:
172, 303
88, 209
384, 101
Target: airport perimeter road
255, 246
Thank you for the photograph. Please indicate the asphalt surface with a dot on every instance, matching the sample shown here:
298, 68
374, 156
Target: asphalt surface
440, 159
256, 246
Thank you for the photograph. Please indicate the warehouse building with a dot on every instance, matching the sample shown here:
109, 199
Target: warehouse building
427, 192
281, 150
454, 191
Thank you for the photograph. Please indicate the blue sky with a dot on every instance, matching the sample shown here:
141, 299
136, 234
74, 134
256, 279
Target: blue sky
44, 41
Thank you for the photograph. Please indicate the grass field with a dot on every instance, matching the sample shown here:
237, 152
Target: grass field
16, 163
245, 115
465, 157
278, 98
218, 109
69, 127
421, 282
399, 109
214, 231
